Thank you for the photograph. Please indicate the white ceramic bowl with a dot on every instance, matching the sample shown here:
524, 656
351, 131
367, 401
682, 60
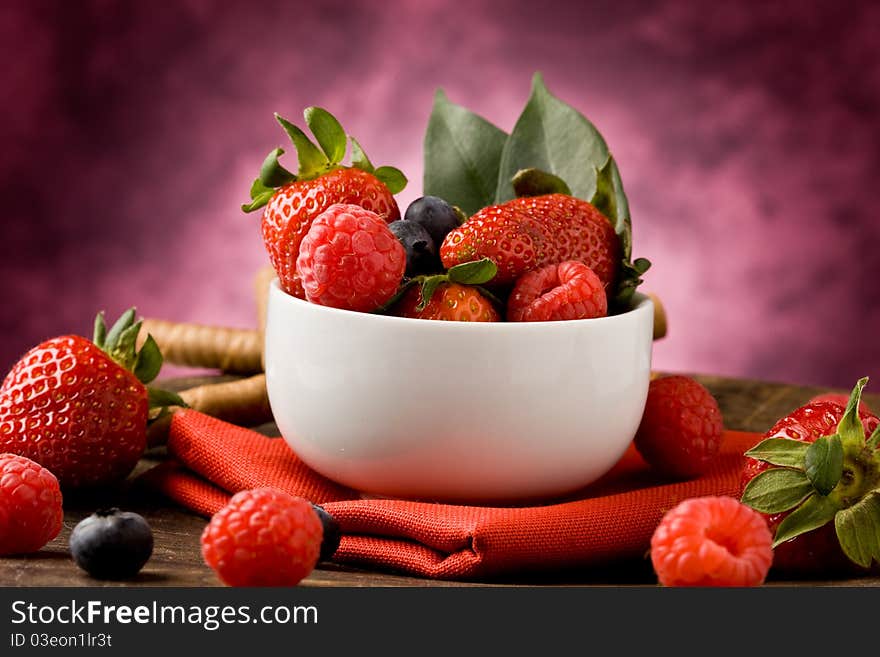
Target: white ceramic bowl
456, 411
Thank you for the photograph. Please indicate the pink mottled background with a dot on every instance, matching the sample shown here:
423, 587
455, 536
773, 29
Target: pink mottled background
747, 135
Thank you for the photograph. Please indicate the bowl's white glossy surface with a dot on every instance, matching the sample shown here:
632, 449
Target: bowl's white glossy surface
456, 411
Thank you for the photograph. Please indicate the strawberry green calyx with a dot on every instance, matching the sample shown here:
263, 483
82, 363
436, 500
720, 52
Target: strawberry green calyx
120, 344
534, 182
315, 160
476, 273
836, 478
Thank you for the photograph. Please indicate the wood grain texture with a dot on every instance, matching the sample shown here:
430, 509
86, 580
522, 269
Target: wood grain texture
746, 405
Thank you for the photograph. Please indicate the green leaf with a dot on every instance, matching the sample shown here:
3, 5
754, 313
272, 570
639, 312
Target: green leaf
159, 398
534, 182
851, 429
148, 362
429, 286
776, 490
823, 463
611, 201
462, 156
359, 159
858, 530
393, 178
552, 136
258, 189
816, 511
258, 202
608, 202
272, 174
123, 352
311, 160
780, 451
99, 336
328, 132
473, 273
124, 321
874, 440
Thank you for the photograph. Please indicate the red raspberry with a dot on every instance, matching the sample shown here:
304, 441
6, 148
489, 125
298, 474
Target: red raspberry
840, 398
263, 537
30, 505
711, 541
569, 290
350, 259
681, 427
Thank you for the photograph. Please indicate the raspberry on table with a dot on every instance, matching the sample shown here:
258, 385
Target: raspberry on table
568, 290
712, 541
350, 259
30, 505
263, 537
681, 428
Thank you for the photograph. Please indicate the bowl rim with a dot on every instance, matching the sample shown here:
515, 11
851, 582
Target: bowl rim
640, 302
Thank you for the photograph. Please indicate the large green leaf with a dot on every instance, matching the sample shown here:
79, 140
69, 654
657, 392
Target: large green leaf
552, 136
462, 156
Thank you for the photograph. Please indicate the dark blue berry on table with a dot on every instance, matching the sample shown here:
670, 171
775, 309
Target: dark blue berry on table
332, 533
435, 215
421, 252
112, 544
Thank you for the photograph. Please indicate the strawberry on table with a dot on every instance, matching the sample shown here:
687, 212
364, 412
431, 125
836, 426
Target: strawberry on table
530, 232
292, 202
840, 398
79, 407
816, 479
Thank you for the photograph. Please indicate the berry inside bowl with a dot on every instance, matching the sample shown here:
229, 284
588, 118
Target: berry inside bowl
456, 411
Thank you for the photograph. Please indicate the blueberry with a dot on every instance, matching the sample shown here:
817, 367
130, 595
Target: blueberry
421, 253
112, 544
332, 533
435, 214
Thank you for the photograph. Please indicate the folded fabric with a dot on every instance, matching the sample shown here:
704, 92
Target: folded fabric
609, 521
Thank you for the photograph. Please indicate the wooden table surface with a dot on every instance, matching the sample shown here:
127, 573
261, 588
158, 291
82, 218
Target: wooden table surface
176, 561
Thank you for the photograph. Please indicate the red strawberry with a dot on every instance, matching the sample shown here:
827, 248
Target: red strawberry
451, 302
293, 201
452, 296
816, 477
79, 408
840, 398
530, 232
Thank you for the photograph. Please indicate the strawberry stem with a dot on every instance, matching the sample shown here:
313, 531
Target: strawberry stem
314, 161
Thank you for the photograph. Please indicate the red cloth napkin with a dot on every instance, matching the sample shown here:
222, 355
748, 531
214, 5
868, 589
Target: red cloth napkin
609, 521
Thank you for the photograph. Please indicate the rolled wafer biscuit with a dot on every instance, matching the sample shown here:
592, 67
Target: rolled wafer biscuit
232, 350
